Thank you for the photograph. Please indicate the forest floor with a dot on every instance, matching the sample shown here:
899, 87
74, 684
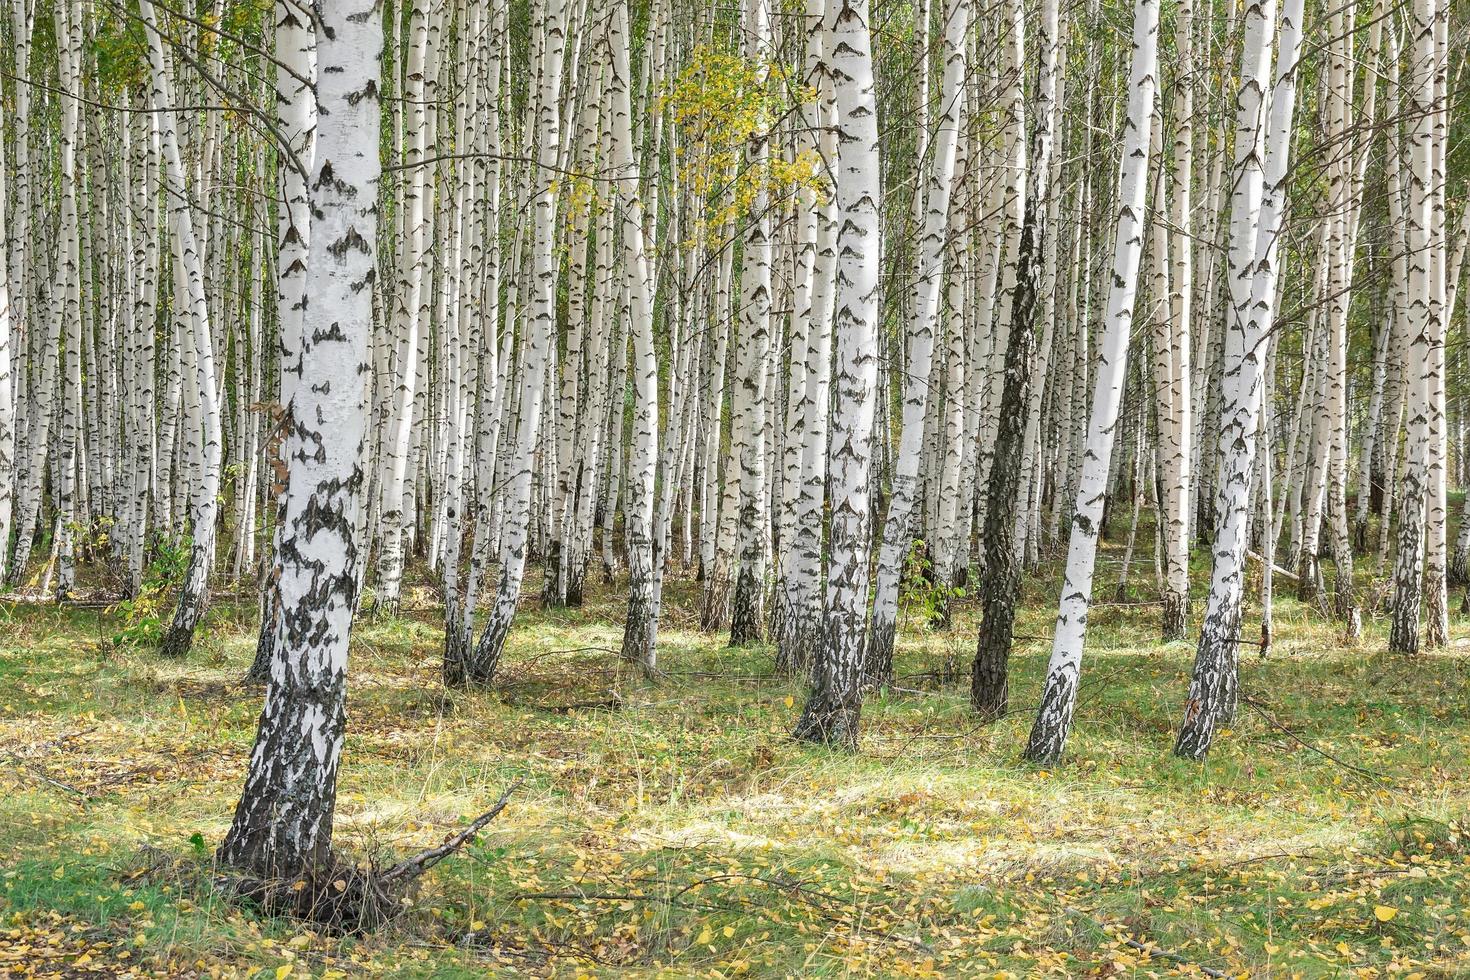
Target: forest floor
673, 829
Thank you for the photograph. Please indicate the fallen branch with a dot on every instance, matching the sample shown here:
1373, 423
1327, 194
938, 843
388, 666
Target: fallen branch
35, 772
613, 702
1359, 770
1157, 952
1275, 568
416, 865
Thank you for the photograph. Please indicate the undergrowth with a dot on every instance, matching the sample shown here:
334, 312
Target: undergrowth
672, 828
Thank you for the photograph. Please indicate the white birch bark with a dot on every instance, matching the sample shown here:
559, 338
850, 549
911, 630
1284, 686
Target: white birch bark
539, 328
1421, 333
408, 319
1059, 694
190, 292
749, 401
283, 822
1175, 421
1262, 150
832, 710
295, 49
641, 626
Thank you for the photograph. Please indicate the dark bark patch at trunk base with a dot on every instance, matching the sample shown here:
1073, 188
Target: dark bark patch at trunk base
344, 898
1176, 616
339, 898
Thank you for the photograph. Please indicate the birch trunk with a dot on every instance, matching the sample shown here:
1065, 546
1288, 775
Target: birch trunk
189, 288
834, 705
283, 822
1262, 149
1059, 692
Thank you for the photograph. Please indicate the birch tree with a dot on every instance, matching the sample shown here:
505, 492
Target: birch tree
1059, 692
834, 705
283, 822
1262, 147
189, 290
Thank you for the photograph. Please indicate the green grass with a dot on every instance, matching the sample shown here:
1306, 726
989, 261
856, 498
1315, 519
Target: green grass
684, 834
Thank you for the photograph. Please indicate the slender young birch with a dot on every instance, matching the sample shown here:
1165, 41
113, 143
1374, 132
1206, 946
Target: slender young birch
534, 354
641, 627
410, 299
1059, 692
1339, 264
834, 705
1262, 150
1176, 423
923, 321
1420, 333
7, 393
748, 405
67, 293
283, 822
18, 271
1436, 599
1000, 284
189, 289
801, 555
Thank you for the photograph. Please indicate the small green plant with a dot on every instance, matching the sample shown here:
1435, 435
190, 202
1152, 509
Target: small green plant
143, 614
923, 592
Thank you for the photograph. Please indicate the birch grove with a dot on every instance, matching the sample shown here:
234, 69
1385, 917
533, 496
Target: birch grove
842, 331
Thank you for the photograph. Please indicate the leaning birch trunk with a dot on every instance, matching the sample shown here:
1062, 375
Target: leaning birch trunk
283, 822
834, 705
1059, 692
1001, 572
189, 285
1256, 208
923, 319
540, 326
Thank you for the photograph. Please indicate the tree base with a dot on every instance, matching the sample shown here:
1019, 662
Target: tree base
989, 684
797, 649
1053, 720
1176, 616
746, 626
878, 665
828, 724
1436, 612
1212, 692
553, 588
1309, 572
337, 898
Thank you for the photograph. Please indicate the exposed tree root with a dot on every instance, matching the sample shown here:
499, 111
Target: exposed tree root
345, 898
